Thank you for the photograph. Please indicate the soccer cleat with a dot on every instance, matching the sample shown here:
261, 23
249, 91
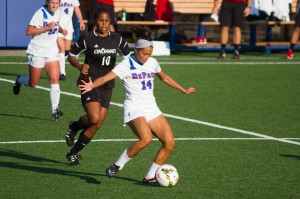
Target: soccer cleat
70, 135
290, 54
236, 55
112, 170
222, 55
17, 86
62, 77
149, 181
73, 159
57, 115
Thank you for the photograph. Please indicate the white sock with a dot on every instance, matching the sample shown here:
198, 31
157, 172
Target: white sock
152, 170
62, 63
54, 96
123, 159
23, 80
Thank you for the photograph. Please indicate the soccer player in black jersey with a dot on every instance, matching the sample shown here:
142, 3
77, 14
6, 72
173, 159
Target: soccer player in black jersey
100, 47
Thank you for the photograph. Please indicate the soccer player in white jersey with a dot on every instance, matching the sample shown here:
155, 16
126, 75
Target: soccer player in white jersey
67, 8
42, 52
141, 112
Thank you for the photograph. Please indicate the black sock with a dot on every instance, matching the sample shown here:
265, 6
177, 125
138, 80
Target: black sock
80, 144
236, 47
292, 46
223, 47
76, 126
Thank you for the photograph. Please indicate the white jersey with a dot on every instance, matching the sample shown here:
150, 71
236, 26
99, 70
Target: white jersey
138, 82
66, 8
44, 44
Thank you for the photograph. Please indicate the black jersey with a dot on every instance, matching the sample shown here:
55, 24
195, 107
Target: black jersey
100, 53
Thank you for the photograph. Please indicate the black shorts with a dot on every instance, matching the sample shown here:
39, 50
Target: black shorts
103, 96
232, 14
110, 8
297, 19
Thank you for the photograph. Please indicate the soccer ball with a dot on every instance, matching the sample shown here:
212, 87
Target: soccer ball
166, 175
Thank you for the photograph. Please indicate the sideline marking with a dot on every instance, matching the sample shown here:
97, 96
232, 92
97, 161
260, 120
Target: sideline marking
189, 120
127, 140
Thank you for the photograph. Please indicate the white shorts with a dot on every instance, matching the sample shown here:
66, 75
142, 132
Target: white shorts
148, 114
39, 62
69, 36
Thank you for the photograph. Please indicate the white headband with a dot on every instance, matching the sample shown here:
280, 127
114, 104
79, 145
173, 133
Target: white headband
143, 43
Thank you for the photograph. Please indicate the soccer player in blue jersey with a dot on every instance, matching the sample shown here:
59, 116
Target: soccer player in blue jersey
141, 112
42, 52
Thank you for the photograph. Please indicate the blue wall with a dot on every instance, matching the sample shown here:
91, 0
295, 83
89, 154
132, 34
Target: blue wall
15, 16
3, 23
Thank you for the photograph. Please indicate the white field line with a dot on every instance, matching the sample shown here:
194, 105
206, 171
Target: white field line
194, 63
190, 120
130, 140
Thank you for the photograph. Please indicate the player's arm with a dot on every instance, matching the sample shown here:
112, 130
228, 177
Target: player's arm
171, 82
62, 30
33, 30
216, 7
87, 86
124, 48
248, 8
76, 49
83, 68
80, 19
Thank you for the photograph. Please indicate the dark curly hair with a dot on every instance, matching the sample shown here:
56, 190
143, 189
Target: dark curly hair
100, 10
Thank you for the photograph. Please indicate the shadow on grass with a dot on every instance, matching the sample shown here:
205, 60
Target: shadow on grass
137, 182
297, 157
20, 116
23, 156
88, 177
37, 164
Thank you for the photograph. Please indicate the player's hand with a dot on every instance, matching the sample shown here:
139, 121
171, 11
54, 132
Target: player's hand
64, 32
51, 25
190, 90
86, 87
247, 11
84, 68
81, 26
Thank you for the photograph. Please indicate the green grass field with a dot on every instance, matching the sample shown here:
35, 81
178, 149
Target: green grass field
237, 137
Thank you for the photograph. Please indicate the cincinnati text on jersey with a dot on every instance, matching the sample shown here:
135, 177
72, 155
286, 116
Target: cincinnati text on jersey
105, 51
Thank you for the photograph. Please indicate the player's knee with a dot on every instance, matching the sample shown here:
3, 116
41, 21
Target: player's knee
95, 121
145, 141
169, 145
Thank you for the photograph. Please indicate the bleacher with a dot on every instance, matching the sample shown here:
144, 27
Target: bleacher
256, 37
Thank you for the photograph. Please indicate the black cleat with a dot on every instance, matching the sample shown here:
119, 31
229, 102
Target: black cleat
222, 55
17, 86
62, 77
70, 135
149, 181
112, 170
57, 115
236, 55
73, 159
